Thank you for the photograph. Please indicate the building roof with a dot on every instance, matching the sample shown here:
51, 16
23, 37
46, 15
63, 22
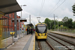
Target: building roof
9, 6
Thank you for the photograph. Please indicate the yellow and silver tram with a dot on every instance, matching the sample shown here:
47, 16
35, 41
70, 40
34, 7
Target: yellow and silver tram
41, 31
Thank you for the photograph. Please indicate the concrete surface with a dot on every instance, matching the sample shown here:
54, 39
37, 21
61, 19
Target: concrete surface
64, 33
32, 44
21, 43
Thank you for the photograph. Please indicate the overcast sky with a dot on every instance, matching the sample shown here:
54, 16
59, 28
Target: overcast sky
46, 9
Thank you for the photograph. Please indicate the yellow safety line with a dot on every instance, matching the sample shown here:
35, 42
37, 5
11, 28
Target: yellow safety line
34, 43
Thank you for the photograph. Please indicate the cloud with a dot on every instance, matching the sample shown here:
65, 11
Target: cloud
34, 6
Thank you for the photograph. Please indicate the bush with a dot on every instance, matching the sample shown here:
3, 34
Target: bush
63, 28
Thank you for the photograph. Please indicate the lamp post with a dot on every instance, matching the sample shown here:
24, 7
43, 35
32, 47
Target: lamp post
30, 19
19, 21
54, 22
58, 22
21, 7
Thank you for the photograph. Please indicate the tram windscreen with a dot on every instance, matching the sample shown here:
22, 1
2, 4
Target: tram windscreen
41, 28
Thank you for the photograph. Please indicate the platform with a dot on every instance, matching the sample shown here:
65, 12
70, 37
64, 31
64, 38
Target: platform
25, 43
72, 35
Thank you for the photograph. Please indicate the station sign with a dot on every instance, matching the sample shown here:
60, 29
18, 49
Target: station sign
21, 20
13, 20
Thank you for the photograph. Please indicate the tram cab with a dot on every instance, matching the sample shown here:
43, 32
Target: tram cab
41, 31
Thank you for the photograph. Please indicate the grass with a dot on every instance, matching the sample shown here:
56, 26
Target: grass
67, 31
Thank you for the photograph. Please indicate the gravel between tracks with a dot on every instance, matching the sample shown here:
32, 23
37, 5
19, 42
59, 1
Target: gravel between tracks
64, 43
36, 45
55, 45
64, 37
44, 45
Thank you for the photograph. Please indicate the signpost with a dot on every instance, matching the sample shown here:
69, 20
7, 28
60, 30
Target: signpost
12, 34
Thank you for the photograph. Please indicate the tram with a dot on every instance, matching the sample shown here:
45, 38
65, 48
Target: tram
41, 31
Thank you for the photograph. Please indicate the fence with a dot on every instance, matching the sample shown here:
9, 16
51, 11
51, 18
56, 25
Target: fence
66, 30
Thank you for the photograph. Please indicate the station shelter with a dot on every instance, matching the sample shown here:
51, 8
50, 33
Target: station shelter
7, 9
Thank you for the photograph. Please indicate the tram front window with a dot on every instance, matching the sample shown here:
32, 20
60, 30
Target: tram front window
41, 29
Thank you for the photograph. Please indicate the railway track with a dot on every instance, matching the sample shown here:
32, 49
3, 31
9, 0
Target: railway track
70, 42
49, 45
60, 43
54, 37
54, 42
40, 46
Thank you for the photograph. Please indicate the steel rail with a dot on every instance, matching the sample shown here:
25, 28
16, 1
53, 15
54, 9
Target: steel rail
39, 45
63, 40
50, 45
59, 43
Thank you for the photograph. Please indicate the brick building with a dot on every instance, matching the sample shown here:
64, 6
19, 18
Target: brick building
7, 24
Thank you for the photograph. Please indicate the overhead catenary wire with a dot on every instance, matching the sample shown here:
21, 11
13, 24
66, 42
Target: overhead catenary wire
58, 6
55, 5
42, 5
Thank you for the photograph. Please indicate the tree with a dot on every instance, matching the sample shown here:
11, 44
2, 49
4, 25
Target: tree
73, 8
65, 19
73, 25
70, 23
60, 23
47, 21
67, 22
50, 23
